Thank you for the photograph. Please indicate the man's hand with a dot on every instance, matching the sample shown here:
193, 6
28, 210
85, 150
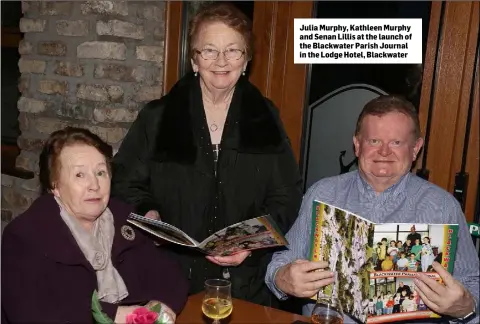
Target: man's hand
450, 299
301, 278
153, 214
230, 261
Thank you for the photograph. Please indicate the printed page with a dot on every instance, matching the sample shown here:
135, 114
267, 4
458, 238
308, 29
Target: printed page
256, 233
162, 230
392, 293
344, 240
377, 262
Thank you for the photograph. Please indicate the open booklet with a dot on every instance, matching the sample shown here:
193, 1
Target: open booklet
375, 264
256, 233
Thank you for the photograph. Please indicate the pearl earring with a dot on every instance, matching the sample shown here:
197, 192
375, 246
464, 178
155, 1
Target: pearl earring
243, 73
196, 73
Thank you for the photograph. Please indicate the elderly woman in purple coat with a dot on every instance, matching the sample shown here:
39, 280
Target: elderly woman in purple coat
75, 240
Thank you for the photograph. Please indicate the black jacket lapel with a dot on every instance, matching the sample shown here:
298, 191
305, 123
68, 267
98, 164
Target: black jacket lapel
175, 140
259, 131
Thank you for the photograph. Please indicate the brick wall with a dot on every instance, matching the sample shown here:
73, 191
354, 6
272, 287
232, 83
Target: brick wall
91, 64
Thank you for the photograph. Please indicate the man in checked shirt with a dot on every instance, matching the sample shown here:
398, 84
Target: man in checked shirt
387, 140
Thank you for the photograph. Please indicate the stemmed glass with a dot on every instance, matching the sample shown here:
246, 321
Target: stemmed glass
217, 302
327, 310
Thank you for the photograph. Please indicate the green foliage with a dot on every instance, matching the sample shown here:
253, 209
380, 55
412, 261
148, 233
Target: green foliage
98, 315
157, 308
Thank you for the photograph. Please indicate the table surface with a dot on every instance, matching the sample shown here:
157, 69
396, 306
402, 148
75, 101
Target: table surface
243, 312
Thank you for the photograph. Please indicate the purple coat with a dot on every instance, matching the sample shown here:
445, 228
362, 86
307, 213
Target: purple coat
47, 279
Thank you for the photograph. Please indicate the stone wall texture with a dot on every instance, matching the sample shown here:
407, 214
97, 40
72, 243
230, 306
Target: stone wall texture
89, 64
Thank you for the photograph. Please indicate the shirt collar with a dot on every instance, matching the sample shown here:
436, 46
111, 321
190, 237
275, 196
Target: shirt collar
366, 189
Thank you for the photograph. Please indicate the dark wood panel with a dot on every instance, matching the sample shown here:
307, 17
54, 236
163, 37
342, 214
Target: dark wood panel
452, 77
451, 97
273, 71
11, 37
264, 16
465, 93
244, 312
473, 155
294, 90
428, 71
173, 37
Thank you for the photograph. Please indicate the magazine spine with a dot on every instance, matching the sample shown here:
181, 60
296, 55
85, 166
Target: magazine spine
273, 228
449, 246
315, 232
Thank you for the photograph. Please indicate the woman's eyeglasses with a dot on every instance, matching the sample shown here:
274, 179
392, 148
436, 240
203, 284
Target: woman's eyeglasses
229, 54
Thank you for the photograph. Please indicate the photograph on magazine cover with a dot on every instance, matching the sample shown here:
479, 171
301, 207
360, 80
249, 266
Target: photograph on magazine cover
393, 295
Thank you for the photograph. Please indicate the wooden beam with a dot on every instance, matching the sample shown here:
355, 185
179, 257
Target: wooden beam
173, 37
11, 37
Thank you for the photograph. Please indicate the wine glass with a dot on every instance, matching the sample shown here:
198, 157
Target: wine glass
217, 302
327, 310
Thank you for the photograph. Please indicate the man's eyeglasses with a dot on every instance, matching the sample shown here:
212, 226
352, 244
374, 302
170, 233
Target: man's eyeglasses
229, 54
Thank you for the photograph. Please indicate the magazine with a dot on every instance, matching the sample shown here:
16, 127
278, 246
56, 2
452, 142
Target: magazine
375, 264
256, 233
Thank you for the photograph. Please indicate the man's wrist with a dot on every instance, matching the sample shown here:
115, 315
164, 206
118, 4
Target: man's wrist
275, 277
281, 293
471, 312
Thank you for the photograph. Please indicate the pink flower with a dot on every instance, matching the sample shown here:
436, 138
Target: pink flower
142, 315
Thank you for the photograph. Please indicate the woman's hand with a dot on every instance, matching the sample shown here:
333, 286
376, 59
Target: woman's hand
230, 261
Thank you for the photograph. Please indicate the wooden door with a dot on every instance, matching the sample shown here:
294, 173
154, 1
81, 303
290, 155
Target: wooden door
273, 71
449, 92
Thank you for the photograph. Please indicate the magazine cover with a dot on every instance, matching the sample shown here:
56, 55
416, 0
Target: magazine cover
375, 263
255, 233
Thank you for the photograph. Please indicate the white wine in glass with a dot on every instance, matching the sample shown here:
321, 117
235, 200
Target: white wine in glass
217, 302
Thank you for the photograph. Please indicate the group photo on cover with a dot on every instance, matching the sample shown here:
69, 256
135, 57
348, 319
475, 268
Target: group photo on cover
390, 254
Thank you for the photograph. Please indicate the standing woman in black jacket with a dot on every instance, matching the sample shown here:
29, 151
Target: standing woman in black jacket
213, 152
